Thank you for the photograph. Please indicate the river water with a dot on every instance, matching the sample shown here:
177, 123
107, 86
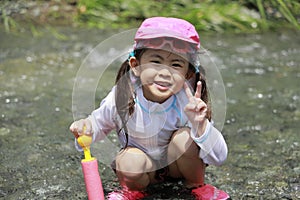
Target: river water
261, 75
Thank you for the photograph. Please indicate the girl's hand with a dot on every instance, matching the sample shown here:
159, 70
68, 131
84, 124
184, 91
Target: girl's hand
196, 109
81, 127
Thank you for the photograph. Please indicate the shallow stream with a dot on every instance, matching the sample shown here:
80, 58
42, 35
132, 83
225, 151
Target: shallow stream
261, 74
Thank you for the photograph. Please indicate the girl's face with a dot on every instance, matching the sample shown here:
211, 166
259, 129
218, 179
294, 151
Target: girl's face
162, 73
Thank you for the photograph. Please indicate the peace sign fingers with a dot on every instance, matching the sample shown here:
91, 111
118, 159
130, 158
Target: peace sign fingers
189, 93
196, 109
198, 90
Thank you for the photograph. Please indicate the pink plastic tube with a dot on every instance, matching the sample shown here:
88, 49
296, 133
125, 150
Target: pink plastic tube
92, 180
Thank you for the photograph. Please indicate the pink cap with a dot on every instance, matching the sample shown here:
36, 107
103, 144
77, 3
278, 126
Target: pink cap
156, 27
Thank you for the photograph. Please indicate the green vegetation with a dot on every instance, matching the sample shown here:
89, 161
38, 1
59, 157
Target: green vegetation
206, 15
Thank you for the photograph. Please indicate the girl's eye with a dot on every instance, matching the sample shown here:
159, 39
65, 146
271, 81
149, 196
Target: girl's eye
177, 65
155, 61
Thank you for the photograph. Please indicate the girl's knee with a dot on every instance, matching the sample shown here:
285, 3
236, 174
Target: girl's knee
181, 135
131, 161
182, 144
181, 139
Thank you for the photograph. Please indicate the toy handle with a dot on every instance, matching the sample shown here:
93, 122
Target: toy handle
85, 142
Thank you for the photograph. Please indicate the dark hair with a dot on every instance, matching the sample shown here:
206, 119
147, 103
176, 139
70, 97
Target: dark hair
125, 93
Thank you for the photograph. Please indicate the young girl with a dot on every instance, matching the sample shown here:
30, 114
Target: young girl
163, 126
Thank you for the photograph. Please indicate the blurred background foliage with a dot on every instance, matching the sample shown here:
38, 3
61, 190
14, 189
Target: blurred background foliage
206, 15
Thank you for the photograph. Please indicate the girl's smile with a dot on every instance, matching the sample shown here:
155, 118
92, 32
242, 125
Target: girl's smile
162, 74
162, 85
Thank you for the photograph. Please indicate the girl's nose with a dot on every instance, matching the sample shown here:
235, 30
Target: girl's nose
164, 72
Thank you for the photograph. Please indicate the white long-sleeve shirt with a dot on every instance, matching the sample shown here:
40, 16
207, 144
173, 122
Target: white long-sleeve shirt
152, 124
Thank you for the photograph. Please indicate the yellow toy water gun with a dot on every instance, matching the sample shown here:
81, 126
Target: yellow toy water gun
90, 171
